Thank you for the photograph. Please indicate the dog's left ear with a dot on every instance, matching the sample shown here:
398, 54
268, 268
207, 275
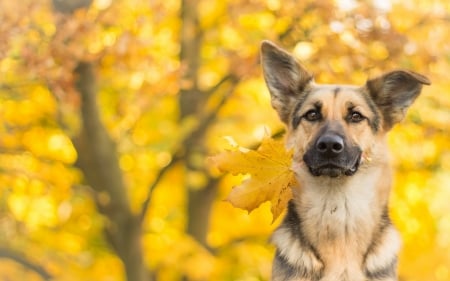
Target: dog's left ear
394, 92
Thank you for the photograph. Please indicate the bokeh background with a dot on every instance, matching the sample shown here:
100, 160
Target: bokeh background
109, 108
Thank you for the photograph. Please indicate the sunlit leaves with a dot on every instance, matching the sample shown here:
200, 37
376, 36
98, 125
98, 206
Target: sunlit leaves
47, 211
304, 50
378, 51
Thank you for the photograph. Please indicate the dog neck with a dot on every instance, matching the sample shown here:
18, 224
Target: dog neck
339, 216
344, 203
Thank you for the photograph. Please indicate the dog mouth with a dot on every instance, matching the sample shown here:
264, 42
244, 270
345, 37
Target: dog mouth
334, 170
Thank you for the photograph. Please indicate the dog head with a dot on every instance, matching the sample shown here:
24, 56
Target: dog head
331, 127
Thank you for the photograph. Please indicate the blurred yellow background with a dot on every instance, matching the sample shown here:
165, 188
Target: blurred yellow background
108, 110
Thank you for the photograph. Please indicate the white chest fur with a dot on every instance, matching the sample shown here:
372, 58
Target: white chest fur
338, 218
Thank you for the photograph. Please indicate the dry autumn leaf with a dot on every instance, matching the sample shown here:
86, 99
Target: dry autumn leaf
271, 177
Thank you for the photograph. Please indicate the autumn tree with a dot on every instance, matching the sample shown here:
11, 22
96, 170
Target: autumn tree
109, 109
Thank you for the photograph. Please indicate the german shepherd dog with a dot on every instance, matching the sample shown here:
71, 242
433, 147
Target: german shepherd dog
337, 226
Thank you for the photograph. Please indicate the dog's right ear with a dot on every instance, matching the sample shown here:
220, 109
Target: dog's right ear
284, 76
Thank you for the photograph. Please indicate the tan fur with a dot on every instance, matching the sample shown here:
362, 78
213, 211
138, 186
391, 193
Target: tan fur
337, 227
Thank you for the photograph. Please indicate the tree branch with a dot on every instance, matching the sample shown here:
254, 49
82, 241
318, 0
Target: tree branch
199, 131
190, 44
159, 176
22, 260
214, 88
96, 150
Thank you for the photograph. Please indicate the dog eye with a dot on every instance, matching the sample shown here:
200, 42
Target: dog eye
355, 117
312, 115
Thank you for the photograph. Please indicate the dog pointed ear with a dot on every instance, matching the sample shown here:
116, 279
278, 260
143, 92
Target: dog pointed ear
284, 76
394, 92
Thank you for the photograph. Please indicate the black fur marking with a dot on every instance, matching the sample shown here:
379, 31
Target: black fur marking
303, 86
282, 268
318, 105
390, 270
296, 121
385, 107
300, 101
293, 222
286, 271
374, 122
336, 91
384, 223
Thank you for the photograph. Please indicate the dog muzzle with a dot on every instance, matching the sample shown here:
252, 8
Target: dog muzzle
331, 156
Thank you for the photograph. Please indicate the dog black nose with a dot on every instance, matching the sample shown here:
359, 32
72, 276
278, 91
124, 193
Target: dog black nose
330, 145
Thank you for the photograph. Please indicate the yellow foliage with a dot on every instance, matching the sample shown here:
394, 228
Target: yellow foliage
378, 51
47, 209
258, 21
304, 50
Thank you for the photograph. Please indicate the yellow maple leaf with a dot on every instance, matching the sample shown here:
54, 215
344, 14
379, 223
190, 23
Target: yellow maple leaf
271, 177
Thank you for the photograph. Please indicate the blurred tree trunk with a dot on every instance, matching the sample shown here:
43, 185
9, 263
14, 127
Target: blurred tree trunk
97, 159
97, 154
200, 198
